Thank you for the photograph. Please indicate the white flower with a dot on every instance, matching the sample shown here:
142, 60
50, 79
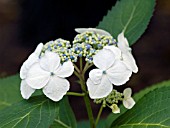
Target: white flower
110, 70
128, 59
50, 75
26, 90
98, 31
128, 101
115, 108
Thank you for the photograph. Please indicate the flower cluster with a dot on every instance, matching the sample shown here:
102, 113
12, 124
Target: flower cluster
62, 48
90, 41
115, 97
48, 66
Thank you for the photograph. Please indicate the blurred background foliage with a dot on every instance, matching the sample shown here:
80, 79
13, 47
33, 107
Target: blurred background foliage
25, 23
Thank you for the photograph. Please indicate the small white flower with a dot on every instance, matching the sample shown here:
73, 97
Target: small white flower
26, 90
98, 31
50, 75
110, 70
115, 108
128, 59
128, 101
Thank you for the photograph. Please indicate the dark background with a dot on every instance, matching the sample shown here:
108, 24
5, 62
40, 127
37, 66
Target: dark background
25, 23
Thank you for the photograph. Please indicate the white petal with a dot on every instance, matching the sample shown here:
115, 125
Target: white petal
128, 103
98, 31
118, 74
115, 50
65, 70
123, 43
95, 75
127, 92
99, 90
23, 71
104, 59
37, 78
56, 88
50, 61
129, 60
26, 90
38, 49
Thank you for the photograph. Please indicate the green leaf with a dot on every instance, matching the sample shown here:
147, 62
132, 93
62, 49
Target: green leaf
10, 91
38, 112
112, 117
66, 117
130, 16
140, 94
86, 124
152, 110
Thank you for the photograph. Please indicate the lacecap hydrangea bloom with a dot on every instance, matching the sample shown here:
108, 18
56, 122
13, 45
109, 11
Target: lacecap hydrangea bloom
46, 73
49, 65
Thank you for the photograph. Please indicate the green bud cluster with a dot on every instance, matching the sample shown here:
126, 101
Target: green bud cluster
113, 98
62, 48
85, 45
88, 44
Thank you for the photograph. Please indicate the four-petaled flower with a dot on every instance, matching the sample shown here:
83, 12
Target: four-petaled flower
127, 57
49, 74
128, 101
110, 70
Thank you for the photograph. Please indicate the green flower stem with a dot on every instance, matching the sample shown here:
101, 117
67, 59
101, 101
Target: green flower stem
81, 64
75, 94
87, 103
77, 74
86, 98
87, 66
99, 114
76, 68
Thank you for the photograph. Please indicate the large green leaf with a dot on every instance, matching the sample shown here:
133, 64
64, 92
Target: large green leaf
9, 91
66, 117
152, 110
130, 16
112, 117
38, 112
86, 124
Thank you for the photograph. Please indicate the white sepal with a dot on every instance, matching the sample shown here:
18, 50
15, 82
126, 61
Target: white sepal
98, 31
26, 90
